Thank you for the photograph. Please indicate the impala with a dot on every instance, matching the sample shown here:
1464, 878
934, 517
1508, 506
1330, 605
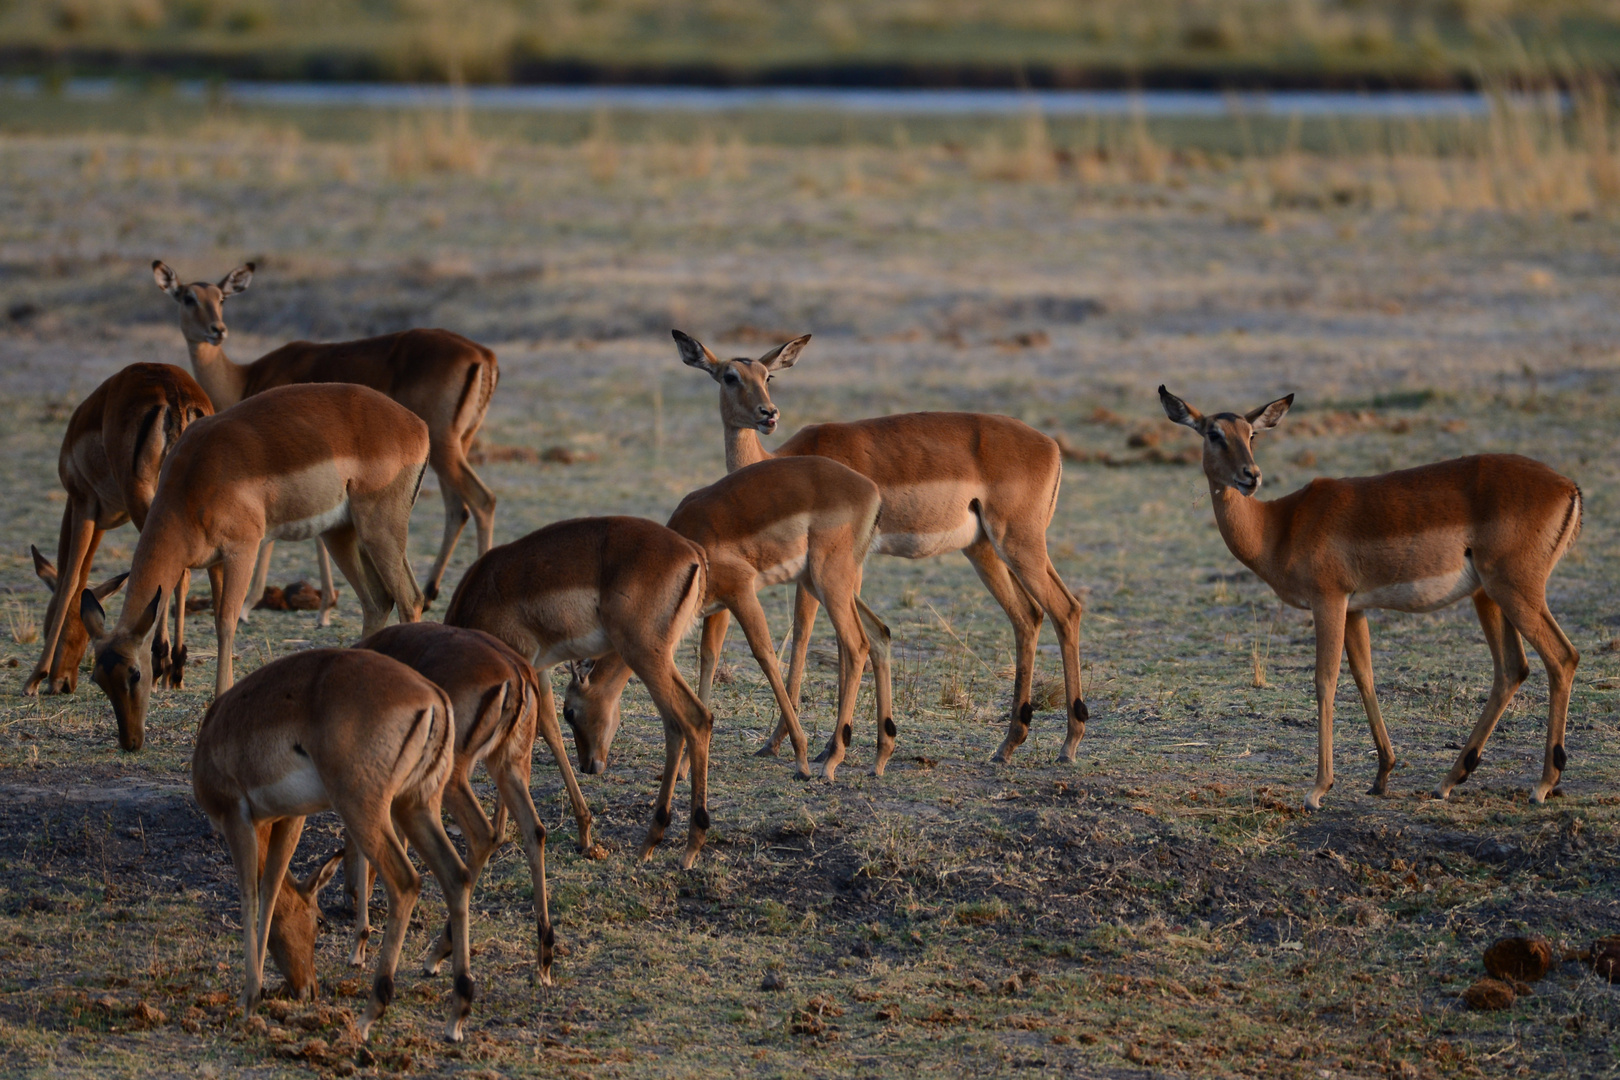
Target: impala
295, 920
976, 483
496, 696
346, 730
337, 461
1490, 527
580, 589
809, 520
115, 445
442, 377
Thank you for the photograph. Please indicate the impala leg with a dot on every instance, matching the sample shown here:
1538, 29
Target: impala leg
1510, 667
464, 493
1025, 616
852, 655
328, 589
877, 637
1026, 557
362, 577
709, 644
359, 879
1358, 646
1526, 608
75, 547
751, 617
261, 573
243, 840
177, 658
236, 576
688, 722
546, 720
456, 513
804, 620
402, 883
425, 829
512, 780
1330, 617
382, 532
483, 838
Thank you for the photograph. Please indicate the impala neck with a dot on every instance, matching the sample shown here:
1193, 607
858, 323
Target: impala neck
162, 554
743, 448
223, 380
1246, 525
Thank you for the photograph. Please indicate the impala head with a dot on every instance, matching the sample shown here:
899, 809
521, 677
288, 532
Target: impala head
294, 924
1228, 439
591, 709
70, 646
118, 669
202, 306
745, 400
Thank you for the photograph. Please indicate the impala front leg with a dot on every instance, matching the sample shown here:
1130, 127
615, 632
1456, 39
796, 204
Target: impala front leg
237, 575
1329, 617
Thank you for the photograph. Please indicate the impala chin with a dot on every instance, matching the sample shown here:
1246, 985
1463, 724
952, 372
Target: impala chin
1247, 490
766, 427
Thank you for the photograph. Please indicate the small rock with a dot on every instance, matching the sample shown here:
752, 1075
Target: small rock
1012, 985
773, 980
1524, 958
1488, 995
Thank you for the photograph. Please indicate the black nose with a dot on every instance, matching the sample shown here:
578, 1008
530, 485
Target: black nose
1251, 473
218, 328
769, 412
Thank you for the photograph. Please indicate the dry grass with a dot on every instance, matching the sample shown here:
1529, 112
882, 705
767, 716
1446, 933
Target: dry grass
1160, 905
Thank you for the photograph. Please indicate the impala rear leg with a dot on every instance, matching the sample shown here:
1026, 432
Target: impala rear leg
483, 838
852, 655
805, 605
279, 848
546, 722
261, 574
1358, 646
711, 641
75, 549
383, 850
1510, 667
1330, 618
243, 840
1026, 557
328, 588
751, 617
425, 829
1025, 616
688, 722
1526, 609
877, 637
375, 602
465, 495
512, 780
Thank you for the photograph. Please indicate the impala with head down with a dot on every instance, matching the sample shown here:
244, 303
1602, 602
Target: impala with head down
335, 460
1490, 527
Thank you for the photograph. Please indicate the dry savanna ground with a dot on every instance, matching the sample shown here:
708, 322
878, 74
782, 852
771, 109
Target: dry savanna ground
1160, 907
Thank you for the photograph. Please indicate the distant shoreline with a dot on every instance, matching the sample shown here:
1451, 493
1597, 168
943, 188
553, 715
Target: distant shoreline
359, 67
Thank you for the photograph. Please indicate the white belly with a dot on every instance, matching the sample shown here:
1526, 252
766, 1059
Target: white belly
1424, 594
311, 527
909, 545
775, 575
298, 792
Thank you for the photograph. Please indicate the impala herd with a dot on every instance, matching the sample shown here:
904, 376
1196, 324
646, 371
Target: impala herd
330, 443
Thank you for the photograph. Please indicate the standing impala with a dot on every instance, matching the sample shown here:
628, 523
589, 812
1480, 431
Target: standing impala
346, 730
442, 377
111, 454
980, 484
580, 589
1490, 527
809, 520
334, 460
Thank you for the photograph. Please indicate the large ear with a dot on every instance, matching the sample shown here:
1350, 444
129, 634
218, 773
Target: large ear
237, 280
166, 279
110, 586
1266, 416
143, 625
695, 354
1178, 410
43, 568
318, 879
784, 356
91, 613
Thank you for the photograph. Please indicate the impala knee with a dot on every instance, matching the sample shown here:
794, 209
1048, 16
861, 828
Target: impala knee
464, 988
1559, 758
847, 735
700, 819
888, 727
382, 990
661, 816
1026, 713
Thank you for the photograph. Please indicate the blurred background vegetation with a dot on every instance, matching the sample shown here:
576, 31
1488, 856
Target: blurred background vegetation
1361, 43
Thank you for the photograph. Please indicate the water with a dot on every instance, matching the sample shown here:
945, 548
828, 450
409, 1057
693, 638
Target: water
1055, 103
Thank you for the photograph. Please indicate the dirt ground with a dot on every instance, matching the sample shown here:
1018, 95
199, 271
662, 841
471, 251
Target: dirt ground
1162, 907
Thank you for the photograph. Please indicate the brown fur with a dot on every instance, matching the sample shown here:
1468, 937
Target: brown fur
1491, 527
442, 377
346, 730
806, 510
581, 589
972, 482
112, 452
282, 457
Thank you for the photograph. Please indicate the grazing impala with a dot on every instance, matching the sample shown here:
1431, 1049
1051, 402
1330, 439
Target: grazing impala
809, 520
295, 920
335, 460
442, 377
580, 589
976, 483
1490, 527
346, 730
496, 696
115, 445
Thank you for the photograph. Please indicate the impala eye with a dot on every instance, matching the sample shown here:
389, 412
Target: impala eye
190, 300
134, 676
731, 378
768, 378
568, 713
